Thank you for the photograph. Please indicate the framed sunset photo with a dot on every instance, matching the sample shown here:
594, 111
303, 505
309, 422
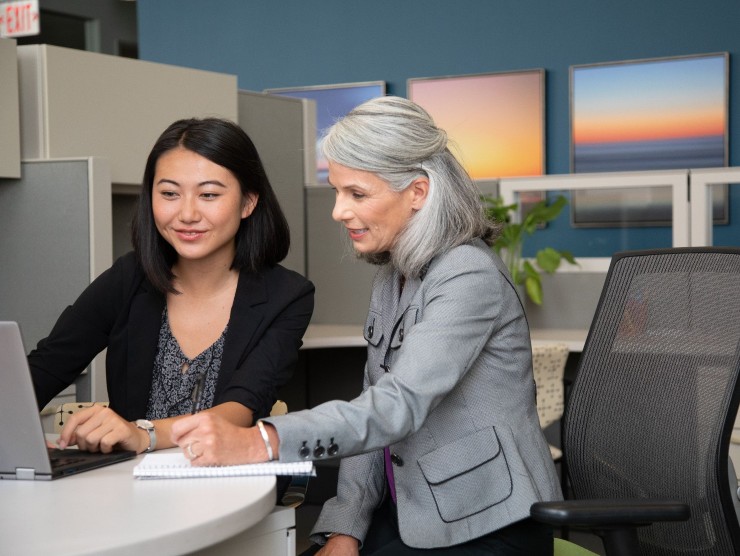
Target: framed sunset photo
496, 121
653, 114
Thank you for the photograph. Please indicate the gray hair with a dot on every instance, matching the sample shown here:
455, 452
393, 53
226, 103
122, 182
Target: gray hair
398, 141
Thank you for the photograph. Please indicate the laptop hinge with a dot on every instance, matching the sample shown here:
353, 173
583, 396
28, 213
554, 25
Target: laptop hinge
25, 473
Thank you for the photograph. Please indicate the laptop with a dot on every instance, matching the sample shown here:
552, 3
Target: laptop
23, 450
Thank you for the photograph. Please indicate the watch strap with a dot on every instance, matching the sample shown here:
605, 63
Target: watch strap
148, 426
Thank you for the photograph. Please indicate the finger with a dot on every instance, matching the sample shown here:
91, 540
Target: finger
69, 439
69, 432
189, 452
109, 442
90, 442
67, 436
183, 427
104, 424
204, 458
193, 450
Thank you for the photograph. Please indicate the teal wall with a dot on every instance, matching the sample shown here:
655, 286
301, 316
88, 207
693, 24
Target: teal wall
278, 43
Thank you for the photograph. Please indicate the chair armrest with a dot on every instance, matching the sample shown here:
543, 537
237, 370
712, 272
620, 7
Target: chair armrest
609, 513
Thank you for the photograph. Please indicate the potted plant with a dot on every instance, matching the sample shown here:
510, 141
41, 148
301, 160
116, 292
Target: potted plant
513, 235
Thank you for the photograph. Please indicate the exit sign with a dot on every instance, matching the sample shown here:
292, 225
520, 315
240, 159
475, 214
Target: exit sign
19, 18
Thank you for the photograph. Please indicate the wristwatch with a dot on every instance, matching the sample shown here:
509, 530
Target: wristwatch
148, 426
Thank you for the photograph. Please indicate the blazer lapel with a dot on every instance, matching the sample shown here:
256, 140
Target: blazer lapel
395, 302
143, 339
245, 319
409, 291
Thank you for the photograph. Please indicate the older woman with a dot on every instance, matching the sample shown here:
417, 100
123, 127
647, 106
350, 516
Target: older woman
443, 447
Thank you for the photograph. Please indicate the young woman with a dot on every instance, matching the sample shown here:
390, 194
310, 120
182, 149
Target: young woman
201, 304
443, 449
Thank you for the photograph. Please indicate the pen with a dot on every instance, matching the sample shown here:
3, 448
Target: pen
196, 397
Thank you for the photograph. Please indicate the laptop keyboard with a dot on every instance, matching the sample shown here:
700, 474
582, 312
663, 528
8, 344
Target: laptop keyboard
63, 457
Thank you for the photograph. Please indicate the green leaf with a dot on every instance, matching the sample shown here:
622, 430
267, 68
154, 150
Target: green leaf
516, 276
513, 235
548, 259
568, 256
552, 211
534, 289
496, 210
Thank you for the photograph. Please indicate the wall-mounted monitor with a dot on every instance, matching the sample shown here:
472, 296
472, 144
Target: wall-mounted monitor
332, 102
496, 121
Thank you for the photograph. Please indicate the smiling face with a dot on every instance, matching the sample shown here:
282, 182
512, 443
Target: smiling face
373, 214
198, 206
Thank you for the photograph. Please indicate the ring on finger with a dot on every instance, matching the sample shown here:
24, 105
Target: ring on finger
190, 453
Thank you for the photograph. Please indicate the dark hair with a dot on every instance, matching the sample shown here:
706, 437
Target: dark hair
263, 239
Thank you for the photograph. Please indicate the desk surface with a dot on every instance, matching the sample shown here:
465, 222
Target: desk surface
106, 511
348, 335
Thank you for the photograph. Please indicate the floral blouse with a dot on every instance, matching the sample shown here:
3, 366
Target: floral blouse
175, 375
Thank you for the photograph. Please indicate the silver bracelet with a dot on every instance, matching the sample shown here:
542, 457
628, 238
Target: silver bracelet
263, 432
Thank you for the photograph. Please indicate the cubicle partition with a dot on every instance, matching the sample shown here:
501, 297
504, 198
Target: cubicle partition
702, 182
342, 280
283, 130
571, 294
55, 237
78, 103
10, 136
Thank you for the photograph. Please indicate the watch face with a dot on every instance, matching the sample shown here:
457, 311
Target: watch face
148, 426
144, 424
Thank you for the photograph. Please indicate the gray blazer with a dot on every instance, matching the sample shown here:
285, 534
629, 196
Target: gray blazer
455, 403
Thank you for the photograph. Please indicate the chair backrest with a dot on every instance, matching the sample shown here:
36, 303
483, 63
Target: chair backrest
654, 400
548, 363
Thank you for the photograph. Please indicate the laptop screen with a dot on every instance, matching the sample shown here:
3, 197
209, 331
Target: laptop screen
23, 451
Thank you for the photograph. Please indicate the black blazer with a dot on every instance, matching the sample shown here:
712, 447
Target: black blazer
122, 311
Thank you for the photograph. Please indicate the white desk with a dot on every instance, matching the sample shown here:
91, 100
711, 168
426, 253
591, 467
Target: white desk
319, 336
107, 512
350, 335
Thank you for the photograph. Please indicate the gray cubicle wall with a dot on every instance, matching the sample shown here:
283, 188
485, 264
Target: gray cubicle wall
342, 281
75, 103
10, 136
284, 132
569, 300
54, 238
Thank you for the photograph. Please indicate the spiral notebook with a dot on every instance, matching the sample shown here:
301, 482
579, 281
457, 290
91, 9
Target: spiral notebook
177, 466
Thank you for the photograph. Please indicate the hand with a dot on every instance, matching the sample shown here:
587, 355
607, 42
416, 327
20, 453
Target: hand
340, 545
100, 429
209, 439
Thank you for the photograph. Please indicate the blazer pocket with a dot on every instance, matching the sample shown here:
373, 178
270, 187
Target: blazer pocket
403, 326
467, 476
373, 331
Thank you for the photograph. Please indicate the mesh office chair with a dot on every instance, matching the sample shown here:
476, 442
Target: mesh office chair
649, 418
